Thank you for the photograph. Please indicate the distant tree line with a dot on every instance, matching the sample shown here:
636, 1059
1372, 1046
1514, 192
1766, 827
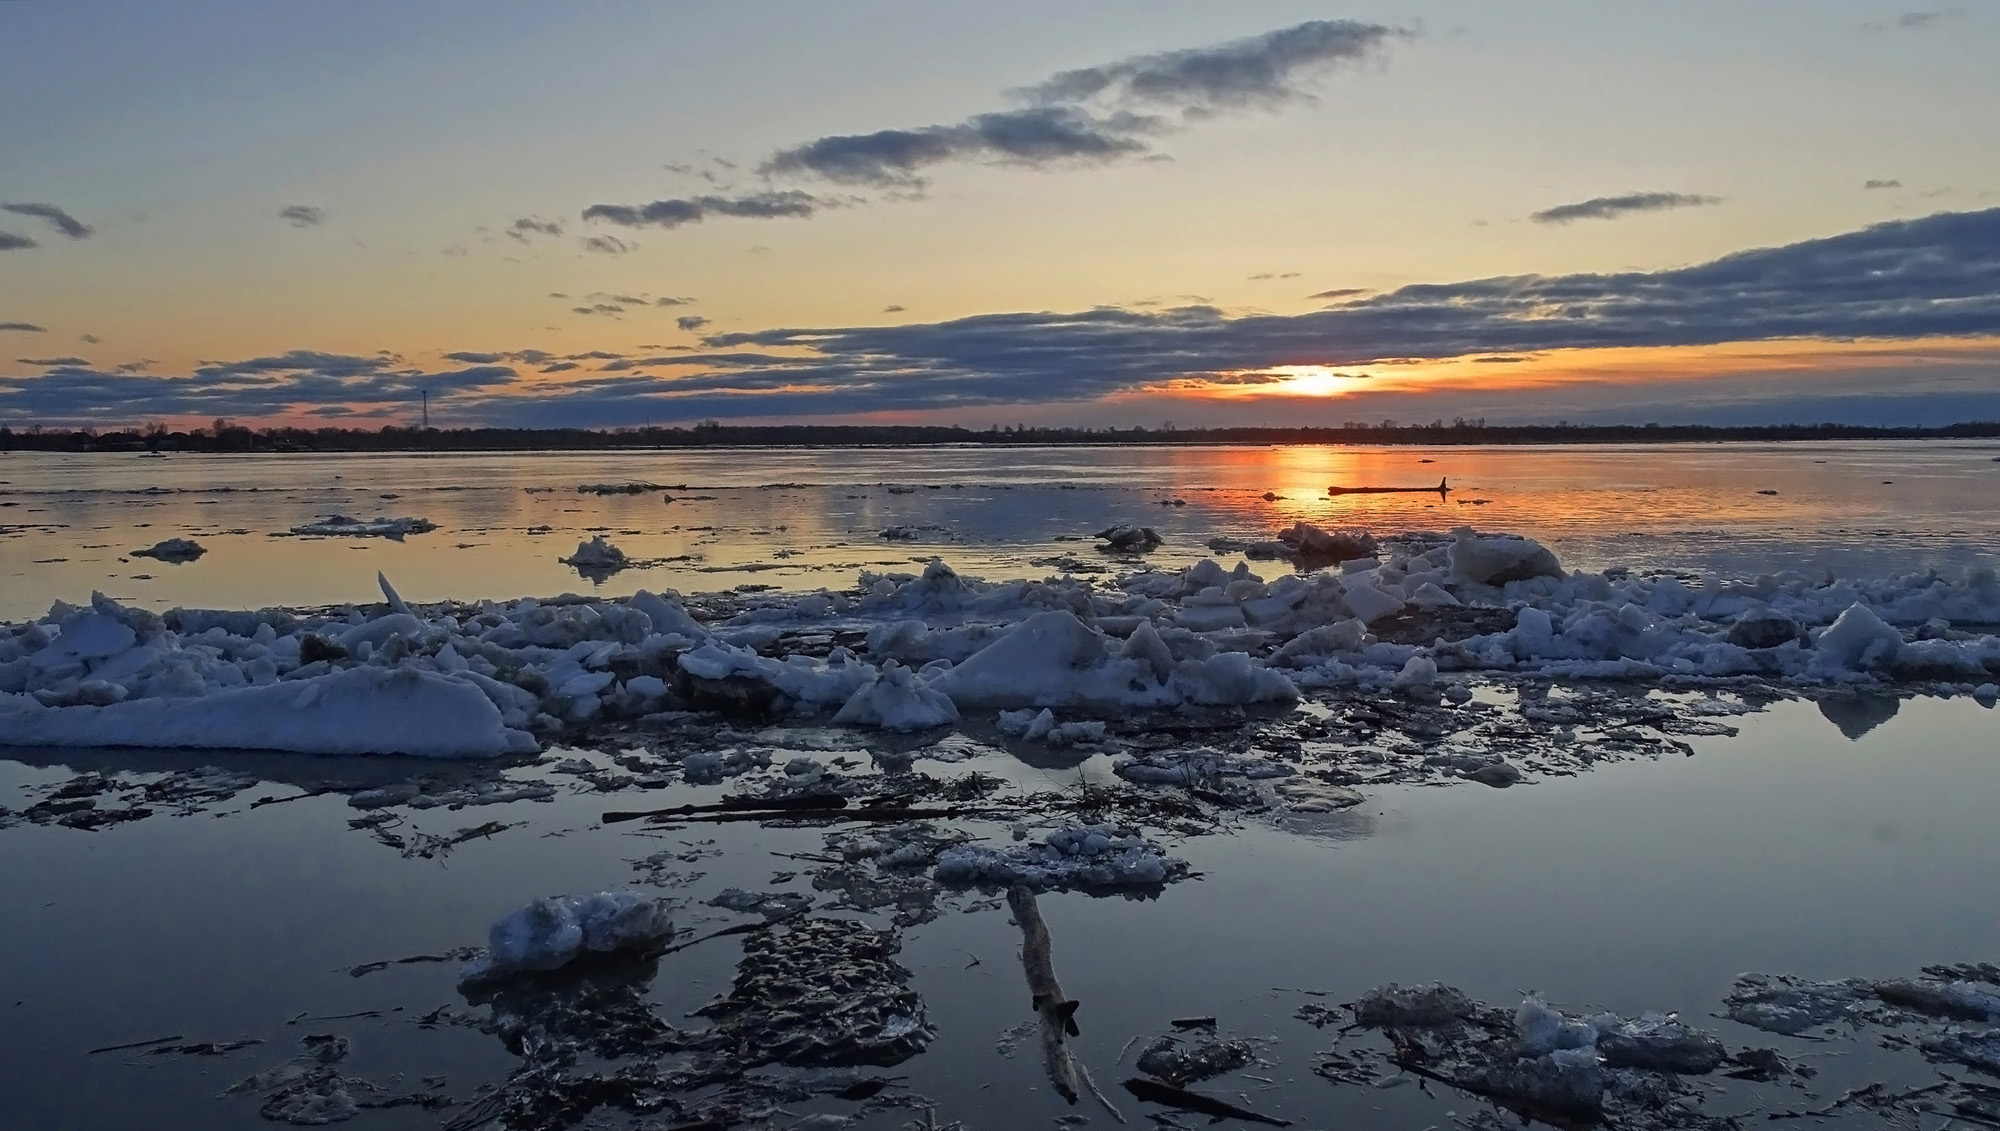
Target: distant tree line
226, 436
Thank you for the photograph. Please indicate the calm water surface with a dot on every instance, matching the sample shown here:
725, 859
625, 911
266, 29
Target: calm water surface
803, 519
1645, 885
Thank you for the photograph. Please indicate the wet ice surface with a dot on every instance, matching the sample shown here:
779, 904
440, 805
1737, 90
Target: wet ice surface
1809, 845
801, 519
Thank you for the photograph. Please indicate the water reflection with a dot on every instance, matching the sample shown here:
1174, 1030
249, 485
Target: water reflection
1856, 715
807, 518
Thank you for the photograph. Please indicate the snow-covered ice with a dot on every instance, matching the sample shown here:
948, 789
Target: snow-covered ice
172, 550
468, 679
550, 933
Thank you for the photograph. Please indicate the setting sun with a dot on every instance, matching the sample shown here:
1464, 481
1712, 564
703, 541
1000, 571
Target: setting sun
1314, 381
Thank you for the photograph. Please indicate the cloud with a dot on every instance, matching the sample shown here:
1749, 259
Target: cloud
1873, 184
1259, 72
608, 245
90, 339
690, 322
669, 300
1339, 292
1269, 275
49, 362
23, 327
892, 309
1612, 207
1038, 136
527, 228
62, 221
598, 308
769, 205
1915, 21
300, 380
302, 215
1915, 280
11, 242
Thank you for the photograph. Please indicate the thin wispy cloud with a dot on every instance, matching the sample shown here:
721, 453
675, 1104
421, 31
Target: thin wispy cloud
50, 362
1077, 118
1613, 207
525, 229
302, 215
673, 213
60, 220
691, 322
1095, 115
1875, 184
608, 245
21, 327
11, 242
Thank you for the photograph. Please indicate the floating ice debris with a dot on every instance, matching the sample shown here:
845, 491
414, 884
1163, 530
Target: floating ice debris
1309, 542
618, 488
822, 992
1177, 1062
1195, 767
1124, 539
1079, 856
1495, 559
1204, 636
1033, 726
597, 557
394, 528
550, 933
897, 699
173, 550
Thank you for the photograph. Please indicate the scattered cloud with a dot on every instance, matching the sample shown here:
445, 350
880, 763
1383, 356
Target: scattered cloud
892, 309
1096, 115
1339, 292
1612, 207
22, 327
89, 339
48, 362
1874, 184
1268, 275
62, 221
527, 228
690, 322
671, 300
1917, 21
598, 308
608, 245
302, 215
768, 205
11, 242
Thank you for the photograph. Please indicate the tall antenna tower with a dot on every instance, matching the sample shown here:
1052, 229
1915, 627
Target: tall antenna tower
427, 407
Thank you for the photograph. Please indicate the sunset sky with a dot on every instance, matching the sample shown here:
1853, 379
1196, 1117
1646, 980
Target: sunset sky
615, 214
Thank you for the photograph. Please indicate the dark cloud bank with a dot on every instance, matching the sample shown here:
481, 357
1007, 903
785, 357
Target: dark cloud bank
1928, 278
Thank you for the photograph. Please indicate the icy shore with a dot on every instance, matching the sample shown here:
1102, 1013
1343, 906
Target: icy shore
912, 652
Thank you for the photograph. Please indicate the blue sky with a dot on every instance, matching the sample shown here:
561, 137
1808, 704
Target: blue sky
877, 210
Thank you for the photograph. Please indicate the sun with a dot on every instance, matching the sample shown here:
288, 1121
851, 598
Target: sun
1312, 381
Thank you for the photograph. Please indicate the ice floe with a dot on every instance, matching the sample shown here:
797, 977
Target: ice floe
916, 651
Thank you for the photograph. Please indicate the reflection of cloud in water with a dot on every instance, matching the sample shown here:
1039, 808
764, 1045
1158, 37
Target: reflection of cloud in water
1856, 715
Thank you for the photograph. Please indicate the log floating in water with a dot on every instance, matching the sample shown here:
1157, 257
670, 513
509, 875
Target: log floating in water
1443, 488
1152, 1091
1056, 1012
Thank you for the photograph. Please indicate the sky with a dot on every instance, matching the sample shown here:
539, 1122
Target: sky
1116, 214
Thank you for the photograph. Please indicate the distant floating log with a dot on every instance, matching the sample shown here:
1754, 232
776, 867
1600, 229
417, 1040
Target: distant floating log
1443, 488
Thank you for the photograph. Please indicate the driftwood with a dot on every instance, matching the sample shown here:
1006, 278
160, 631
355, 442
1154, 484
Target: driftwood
757, 806
797, 808
1056, 1012
1152, 1091
1443, 488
